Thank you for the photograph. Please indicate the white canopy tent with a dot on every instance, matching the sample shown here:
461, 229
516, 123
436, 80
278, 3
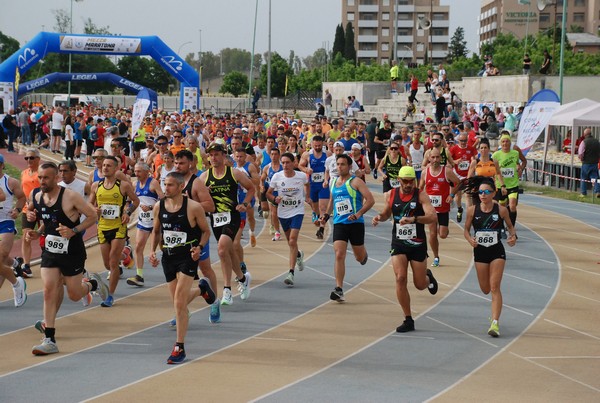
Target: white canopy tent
583, 112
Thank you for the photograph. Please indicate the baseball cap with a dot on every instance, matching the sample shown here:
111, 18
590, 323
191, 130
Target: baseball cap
407, 172
356, 146
167, 127
216, 147
338, 144
1, 159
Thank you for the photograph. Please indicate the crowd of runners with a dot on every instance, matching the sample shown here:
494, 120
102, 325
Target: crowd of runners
181, 175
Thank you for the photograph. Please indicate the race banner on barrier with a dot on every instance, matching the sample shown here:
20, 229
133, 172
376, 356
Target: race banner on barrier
534, 120
96, 44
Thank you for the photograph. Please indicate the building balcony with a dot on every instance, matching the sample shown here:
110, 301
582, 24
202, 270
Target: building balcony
368, 54
368, 8
440, 38
406, 23
368, 38
368, 23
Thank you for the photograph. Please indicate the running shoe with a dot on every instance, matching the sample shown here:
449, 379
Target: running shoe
227, 297
494, 329
137, 281
243, 267
272, 229
289, 279
173, 322
87, 299
265, 214
375, 174
108, 302
40, 326
436, 262
20, 292
277, 236
177, 356
215, 312
365, 260
337, 295
16, 266
206, 292
300, 261
320, 233
433, 284
459, 214
26, 270
47, 347
407, 326
102, 289
244, 288
252, 240
315, 217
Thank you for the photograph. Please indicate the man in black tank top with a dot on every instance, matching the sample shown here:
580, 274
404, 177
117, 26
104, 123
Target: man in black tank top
222, 182
181, 228
410, 210
63, 255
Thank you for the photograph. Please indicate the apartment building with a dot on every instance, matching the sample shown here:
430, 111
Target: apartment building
420, 29
512, 16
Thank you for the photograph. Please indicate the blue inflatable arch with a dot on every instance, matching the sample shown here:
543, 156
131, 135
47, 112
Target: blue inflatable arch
48, 42
115, 79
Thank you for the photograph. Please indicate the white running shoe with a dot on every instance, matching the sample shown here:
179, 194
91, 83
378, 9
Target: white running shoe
20, 291
277, 236
289, 280
47, 347
244, 288
227, 297
300, 261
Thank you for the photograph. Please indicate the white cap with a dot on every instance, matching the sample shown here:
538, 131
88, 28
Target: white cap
338, 144
356, 146
167, 127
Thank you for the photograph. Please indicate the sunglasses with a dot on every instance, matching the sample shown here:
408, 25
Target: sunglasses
394, 148
486, 192
161, 144
97, 157
29, 158
436, 140
114, 146
407, 181
176, 137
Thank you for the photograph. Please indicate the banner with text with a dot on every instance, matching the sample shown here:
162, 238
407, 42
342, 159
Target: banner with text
100, 44
533, 122
139, 112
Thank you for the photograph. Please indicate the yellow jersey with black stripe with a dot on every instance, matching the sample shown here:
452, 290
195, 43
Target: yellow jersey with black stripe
112, 204
223, 190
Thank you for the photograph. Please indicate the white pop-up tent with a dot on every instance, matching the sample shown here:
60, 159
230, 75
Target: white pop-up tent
583, 112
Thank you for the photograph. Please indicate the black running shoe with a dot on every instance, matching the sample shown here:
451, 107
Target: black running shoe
433, 285
406, 326
337, 295
459, 214
320, 233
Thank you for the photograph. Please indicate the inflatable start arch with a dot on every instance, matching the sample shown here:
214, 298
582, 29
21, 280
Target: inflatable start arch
48, 42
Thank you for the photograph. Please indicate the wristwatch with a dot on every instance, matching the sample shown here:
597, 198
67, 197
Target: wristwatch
75, 230
245, 204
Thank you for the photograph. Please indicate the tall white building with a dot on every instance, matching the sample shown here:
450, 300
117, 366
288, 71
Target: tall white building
420, 30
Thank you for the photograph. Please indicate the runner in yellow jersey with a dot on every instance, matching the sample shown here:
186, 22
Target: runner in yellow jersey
110, 196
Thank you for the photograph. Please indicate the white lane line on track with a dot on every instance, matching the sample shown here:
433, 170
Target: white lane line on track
530, 257
462, 331
566, 357
580, 234
581, 296
490, 300
526, 280
405, 336
588, 251
274, 339
377, 295
351, 252
556, 372
572, 329
583, 270
130, 344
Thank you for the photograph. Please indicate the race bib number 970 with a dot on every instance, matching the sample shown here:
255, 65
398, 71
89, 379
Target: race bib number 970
220, 219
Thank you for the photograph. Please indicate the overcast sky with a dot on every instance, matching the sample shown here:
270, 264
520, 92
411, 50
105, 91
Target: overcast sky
300, 25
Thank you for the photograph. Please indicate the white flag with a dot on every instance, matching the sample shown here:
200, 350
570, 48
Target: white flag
139, 112
534, 120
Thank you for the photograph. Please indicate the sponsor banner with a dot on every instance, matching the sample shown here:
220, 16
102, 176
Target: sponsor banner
535, 118
190, 98
93, 44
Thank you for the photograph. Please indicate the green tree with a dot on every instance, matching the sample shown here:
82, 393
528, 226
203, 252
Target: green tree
458, 45
235, 83
349, 49
279, 71
339, 42
8, 46
316, 60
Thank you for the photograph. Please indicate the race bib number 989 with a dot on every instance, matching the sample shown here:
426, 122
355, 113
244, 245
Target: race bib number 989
57, 244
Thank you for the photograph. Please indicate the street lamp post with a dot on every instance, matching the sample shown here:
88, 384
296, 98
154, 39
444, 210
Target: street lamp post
200, 63
178, 54
71, 32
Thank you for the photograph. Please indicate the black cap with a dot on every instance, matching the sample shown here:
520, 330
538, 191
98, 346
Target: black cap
216, 147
